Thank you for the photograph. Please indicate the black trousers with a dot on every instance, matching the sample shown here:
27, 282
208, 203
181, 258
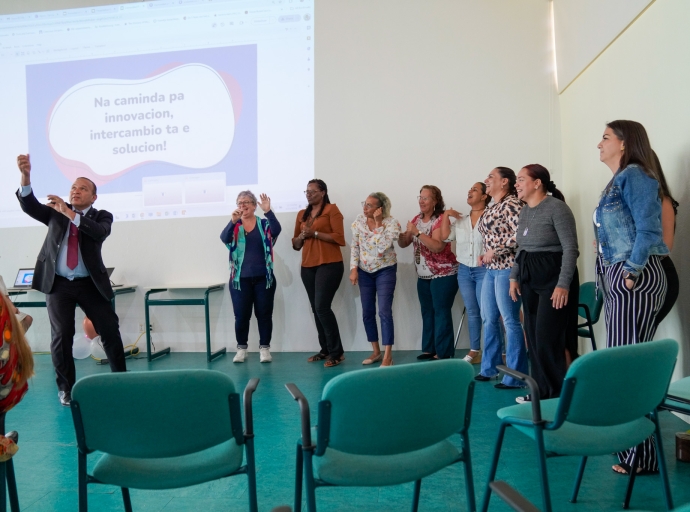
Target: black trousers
62, 302
253, 294
321, 283
672, 289
548, 330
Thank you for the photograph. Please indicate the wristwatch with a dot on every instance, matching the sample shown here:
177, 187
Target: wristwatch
630, 276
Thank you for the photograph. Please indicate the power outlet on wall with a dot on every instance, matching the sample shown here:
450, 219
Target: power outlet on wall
142, 327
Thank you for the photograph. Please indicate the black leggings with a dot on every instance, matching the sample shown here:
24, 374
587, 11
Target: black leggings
321, 283
672, 289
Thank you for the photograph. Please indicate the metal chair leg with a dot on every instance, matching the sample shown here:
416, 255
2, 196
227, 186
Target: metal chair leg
469, 479
663, 470
251, 474
12, 486
415, 496
457, 335
309, 480
83, 499
541, 455
494, 466
631, 479
126, 500
298, 478
578, 479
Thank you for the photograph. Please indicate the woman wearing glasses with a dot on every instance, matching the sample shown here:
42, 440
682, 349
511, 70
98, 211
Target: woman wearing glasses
252, 283
437, 269
319, 234
373, 265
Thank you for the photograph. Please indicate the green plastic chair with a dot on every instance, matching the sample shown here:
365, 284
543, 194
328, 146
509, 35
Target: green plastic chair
519, 503
678, 397
385, 427
601, 410
162, 430
589, 308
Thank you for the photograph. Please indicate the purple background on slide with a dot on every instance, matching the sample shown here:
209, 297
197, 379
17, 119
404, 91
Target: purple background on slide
45, 83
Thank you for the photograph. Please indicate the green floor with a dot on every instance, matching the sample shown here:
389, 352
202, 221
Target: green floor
46, 464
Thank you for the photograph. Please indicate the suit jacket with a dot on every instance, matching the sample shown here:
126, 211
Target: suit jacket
94, 228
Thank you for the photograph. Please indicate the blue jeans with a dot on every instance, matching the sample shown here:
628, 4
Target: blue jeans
496, 302
436, 297
381, 283
470, 281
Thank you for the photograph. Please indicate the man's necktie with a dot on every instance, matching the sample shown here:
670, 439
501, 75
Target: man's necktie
73, 245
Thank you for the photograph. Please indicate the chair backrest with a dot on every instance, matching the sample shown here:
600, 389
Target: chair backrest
399, 409
155, 414
618, 385
588, 297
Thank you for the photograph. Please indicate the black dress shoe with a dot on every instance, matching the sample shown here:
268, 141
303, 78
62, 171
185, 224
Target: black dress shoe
500, 385
65, 398
425, 356
483, 378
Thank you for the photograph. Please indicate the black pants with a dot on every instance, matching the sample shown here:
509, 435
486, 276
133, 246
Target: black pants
253, 294
62, 302
321, 283
548, 329
672, 289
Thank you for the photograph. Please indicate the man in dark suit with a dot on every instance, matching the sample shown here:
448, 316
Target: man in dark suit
70, 271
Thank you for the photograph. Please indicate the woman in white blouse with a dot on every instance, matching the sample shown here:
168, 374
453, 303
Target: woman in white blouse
373, 265
468, 247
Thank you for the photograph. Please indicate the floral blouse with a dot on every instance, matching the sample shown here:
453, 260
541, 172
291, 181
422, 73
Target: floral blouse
430, 265
498, 225
373, 250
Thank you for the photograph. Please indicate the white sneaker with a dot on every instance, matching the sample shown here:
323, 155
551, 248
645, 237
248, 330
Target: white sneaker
265, 355
239, 357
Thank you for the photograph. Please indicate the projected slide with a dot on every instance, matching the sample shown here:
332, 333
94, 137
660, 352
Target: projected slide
171, 108
120, 119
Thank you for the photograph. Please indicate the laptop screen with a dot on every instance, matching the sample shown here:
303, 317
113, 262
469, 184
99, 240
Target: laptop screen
25, 277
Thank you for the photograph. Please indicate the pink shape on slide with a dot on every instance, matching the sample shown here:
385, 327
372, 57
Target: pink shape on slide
73, 169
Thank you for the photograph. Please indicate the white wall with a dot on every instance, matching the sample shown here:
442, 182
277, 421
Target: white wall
584, 28
408, 92
642, 76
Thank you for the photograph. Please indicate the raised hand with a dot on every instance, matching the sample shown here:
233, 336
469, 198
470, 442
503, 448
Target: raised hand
265, 203
453, 213
24, 164
378, 216
59, 205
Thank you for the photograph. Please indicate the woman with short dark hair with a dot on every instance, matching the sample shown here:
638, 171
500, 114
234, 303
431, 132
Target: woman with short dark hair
319, 235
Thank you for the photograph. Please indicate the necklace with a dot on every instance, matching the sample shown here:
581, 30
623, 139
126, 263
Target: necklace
534, 212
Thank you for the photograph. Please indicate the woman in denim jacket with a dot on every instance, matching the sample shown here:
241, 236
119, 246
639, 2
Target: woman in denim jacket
630, 247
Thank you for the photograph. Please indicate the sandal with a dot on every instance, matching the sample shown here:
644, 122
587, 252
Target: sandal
372, 360
626, 468
316, 357
331, 362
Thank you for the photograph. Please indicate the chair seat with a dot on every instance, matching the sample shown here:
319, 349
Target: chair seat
170, 472
574, 439
340, 468
583, 332
680, 388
